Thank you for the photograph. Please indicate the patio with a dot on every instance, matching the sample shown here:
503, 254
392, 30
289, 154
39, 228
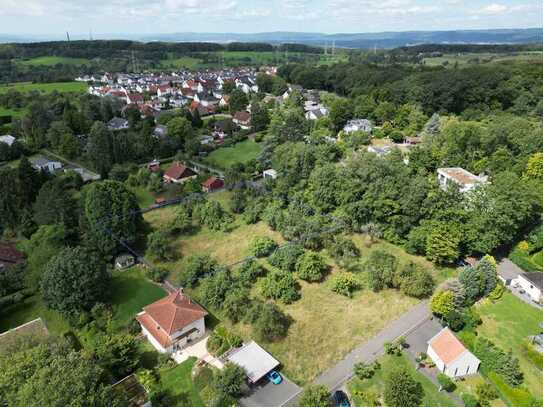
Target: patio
197, 349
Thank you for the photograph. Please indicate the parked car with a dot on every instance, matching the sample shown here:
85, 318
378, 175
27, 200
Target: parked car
340, 399
275, 377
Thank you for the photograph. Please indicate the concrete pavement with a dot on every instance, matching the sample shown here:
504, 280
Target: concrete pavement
370, 350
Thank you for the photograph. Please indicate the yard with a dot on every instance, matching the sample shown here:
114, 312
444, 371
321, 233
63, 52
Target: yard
242, 152
432, 397
178, 384
508, 323
326, 325
63, 87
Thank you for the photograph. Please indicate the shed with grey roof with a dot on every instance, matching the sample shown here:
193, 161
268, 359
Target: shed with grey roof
254, 360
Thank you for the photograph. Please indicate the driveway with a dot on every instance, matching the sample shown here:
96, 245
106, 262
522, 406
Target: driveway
418, 339
271, 395
336, 376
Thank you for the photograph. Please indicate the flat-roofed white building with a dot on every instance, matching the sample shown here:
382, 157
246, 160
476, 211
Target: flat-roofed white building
465, 180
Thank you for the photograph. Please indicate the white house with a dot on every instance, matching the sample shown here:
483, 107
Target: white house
172, 322
45, 164
465, 180
358, 125
532, 283
450, 355
269, 174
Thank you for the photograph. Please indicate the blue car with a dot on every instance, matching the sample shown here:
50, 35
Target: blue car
274, 377
340, 399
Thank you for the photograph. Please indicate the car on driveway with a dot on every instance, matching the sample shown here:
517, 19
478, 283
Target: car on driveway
340, 399
274, 377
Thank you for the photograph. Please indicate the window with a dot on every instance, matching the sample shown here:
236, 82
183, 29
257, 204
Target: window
455, 371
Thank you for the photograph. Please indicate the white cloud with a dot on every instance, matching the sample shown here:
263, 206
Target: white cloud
495, 8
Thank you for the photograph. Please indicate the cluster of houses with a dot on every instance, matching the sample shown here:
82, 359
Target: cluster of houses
151, 92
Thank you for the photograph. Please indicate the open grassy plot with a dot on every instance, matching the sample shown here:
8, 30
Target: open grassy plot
28, 310
508, 323
183, 62
242, 152
53, 60
432, 397
484, 58
11, 112
131, 291
178, 383
63, 87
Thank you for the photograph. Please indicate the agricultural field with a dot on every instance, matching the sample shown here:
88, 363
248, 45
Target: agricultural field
432, 397
242, 152
180, 63
484, 58
53, 60
305, 352
62, 87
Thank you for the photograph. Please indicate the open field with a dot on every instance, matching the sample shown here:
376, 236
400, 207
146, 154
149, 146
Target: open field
183, 62
242, 152
508, 323
53, 60
11, 112
432, 397
62, 87
483, 58
305, 352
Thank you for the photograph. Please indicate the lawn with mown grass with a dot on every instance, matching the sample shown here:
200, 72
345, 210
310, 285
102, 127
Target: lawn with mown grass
54, 60
508, 323
432, 397
225, 157
130, 292
62, 87
178, 383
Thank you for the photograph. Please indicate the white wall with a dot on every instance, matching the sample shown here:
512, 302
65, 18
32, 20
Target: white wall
433, 355
466, 364
533, 291
153, 341
199, 324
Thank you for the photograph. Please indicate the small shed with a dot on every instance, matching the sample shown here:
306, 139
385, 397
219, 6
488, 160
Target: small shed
254, 359
124, 261
269, 174
212, 184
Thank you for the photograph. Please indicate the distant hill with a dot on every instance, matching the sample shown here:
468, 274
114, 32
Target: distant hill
356, 40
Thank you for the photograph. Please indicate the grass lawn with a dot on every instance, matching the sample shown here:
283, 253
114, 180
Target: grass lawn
53, 60
11, 112
28, 310
178, 383
432, 397
508, 323
131, 291
242, 152
183, 62
63, 87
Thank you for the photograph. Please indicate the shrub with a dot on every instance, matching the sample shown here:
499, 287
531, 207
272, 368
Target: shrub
381, 268
249, 271
198, 267
311, 267
236, 304
401, 389
158, 274
469, 400
366, 371
269, 322
215, 289
445, 382
158, 245
221, 341
315, 396
442, 303
345, 283
280, 286
286, 257
262, 246
343, 251
486, 393
416, 281
393, 348
229, 381
454, 320
495, 359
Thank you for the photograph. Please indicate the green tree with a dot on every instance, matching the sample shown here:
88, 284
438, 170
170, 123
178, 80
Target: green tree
269, 322
416, 281
158, 245
198, 266
443, 244
182, 221
280, 285
117, 354
442, 303
345, 283
111, 212
74, 281
55, 205
100, 149
230, 380
381, 268
311, 267
30, 182
213, 215
315, 396
260, 119
238, 101
180, 130
402, 390
341, 111
286, 257
262, 246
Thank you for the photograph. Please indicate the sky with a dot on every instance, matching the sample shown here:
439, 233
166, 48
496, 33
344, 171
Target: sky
248, 16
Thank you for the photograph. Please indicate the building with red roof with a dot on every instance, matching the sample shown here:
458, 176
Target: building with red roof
451, 356
178, 173
212, 184
172, 322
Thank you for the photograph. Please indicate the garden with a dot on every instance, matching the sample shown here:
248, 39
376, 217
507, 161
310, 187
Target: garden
239, 153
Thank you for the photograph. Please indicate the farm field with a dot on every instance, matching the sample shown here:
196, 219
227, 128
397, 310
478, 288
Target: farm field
62, 87
242, 152
463, 59
54, 60
183, 62
305, 352
508, 323
432, 397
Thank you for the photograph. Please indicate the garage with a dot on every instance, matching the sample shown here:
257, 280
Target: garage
254, 359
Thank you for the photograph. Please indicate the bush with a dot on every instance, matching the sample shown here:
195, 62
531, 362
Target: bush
236, 304
230, 380
315, 396
454, 320
343, 251
445, 382
249, 271
366, 371
280, 286
286, 257
269, 322
469, 400
221, 341
495, 359
198, 267
262, 246
381, 268
158, 274
486, 393
416, 281
311, 267
393, 348
345, 283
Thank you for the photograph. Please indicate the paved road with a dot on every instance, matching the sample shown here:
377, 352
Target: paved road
336, 376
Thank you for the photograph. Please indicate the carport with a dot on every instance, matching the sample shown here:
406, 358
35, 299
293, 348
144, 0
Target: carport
254, 359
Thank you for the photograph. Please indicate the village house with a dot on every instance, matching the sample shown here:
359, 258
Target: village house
124, 261
134, 99
532, 284
451, 356
243, 120
172, 322
212, 184
178, 174
118, 123
42, 163
381, 151
465, 180
358, 125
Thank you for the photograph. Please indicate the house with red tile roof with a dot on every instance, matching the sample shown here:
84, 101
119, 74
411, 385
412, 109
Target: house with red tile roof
212, 184
171, 323
178, 173
243, 119
451, 356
